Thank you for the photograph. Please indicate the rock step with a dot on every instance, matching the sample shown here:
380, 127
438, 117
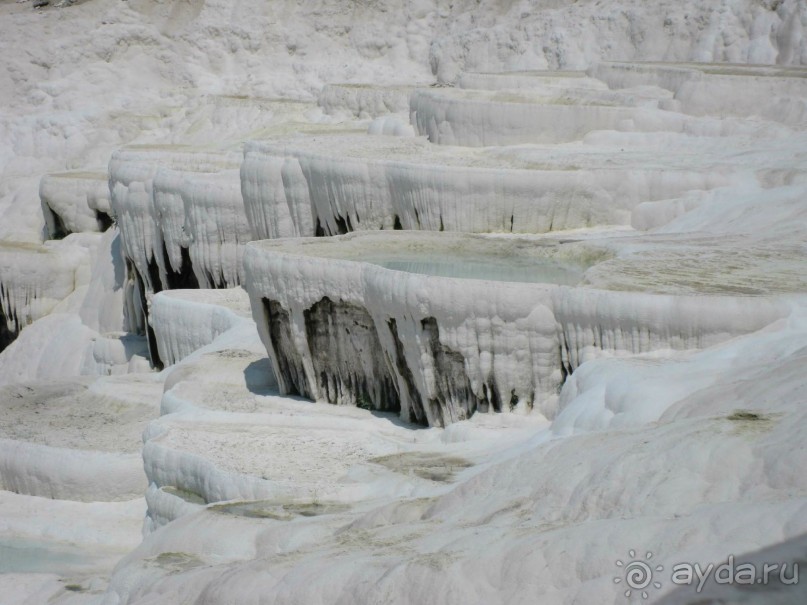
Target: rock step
187, 320
331, 184
770, 92
483, 118
35, 278
436, 348
75, 202
531, 80
209, 458
152, 218
365, 101
76, 439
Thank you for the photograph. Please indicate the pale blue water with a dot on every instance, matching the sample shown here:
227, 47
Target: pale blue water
516, 269
33, 556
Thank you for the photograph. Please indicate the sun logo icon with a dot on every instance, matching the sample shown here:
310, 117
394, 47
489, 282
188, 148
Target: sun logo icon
638, 573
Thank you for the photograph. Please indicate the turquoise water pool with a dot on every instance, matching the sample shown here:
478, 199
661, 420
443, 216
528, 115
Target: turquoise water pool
23, 555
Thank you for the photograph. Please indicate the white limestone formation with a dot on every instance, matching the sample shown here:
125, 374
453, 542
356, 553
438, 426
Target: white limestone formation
75, 202
334, 184
549, 81
586, 215
483, 118
71, 439
149, 209
775, 93
437, 348
34, 279
364, 100
186, 320
150, 193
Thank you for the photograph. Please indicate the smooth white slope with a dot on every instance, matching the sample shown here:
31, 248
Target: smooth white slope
712, 471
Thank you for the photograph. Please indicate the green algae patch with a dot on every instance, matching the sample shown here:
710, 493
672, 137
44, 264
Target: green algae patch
748, 423
175, 562
278, 511
432, 467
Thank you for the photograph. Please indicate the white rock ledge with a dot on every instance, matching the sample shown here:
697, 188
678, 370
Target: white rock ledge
69, 474
186, 320
35, 278
438, 349
333, 184
477, 118
530, 80
148, 188
75, 202
772, 92
169, 200
364, 100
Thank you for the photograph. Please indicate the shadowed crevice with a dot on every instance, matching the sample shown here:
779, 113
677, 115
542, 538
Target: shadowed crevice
416, 411
291, 376
185, 278
103, 220
7, 335
454, 398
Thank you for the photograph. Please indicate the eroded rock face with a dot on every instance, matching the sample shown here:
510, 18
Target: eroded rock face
416, 412
440, 349
288, 365
348, 361
348, 364
452, 396
7, 335
453, 389
182, 224
184, 277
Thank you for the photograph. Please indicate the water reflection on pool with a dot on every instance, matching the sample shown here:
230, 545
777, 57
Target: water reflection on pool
509, 269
